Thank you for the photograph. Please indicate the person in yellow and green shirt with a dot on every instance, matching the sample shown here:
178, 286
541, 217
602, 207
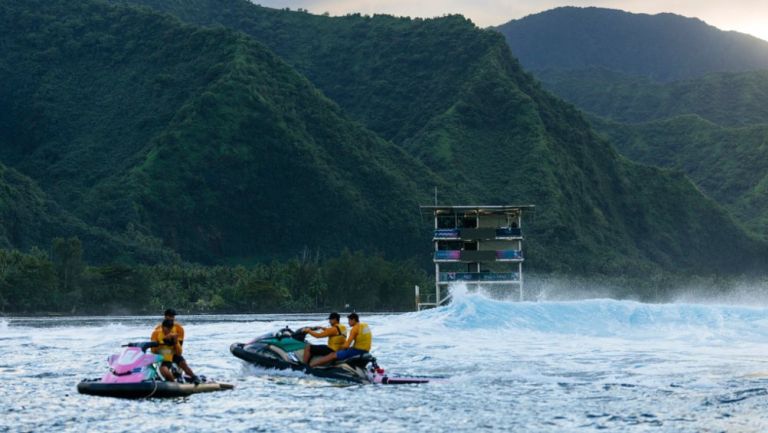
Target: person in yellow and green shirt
171, 340
359, 333
336, 333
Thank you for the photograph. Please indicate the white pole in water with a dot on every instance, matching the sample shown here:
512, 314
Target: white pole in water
416, 289
437, 265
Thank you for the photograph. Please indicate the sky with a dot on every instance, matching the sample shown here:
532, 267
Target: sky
746, 16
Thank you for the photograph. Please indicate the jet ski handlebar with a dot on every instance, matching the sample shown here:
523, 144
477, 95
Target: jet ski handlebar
289, 333
144, 345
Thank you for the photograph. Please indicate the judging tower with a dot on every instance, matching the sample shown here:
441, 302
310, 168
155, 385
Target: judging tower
476, 245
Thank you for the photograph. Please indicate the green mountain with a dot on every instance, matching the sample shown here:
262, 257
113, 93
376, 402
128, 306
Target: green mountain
660, 47
726, 163
201, 137
319, 132
714, 129
730, 99
484, 124
667, 91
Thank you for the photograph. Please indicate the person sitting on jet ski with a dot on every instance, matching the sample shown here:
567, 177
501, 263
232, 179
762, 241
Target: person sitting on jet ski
178, 330
169, 346
336, 333
360, 334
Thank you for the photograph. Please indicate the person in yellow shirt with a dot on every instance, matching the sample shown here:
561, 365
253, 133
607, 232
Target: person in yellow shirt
176, 339
336, 333
170, 314
359, 333
167, 346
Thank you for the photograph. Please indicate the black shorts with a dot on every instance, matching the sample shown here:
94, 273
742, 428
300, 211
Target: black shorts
177, 359
319, 350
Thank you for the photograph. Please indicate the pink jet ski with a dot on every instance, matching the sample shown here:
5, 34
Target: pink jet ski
133, 373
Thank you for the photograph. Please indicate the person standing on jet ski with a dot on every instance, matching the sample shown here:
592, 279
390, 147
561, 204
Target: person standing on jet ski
176, 339
336, 333
360, 334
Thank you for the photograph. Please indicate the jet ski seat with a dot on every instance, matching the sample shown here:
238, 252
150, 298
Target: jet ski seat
359, 360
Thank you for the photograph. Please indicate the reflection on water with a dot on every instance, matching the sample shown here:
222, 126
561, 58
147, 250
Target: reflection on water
584, 365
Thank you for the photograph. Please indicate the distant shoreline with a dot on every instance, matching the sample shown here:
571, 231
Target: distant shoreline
182, 315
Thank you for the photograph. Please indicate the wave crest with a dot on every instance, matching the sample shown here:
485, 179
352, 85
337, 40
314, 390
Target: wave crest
599, 317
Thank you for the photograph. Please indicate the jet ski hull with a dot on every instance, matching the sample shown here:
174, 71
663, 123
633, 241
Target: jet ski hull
263, 358
269, 356
148, 389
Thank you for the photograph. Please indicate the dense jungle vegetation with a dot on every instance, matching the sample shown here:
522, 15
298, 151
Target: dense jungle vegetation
727, 163
59, 281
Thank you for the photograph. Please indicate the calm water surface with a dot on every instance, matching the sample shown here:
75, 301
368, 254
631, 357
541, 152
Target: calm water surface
534, 367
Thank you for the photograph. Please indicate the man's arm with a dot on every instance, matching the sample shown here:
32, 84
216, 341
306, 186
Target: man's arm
180, 333
326, 332
351, 338
154, 338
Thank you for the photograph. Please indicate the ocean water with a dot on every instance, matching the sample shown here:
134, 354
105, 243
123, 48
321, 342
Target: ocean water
577, 366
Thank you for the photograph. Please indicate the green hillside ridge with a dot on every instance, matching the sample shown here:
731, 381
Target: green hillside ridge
30, 220
89, 91
312, 178
726, 163
497, 134
660, 47
392, 74
729, 99
710, 125
201, 137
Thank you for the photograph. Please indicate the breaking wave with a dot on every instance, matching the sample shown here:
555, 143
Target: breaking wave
599, 317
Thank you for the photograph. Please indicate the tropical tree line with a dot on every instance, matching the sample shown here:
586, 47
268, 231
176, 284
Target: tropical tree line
59, 281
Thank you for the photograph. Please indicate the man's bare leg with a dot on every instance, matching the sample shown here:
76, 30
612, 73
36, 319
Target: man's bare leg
184, 366
166, 372
324, 360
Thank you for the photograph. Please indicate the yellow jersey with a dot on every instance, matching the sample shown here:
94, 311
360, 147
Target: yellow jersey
177, 329
166, 350
335, 342
364, 337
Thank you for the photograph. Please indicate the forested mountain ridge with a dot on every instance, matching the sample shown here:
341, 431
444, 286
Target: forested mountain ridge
727, 98
393, 74
489, 128
202, 137
210, 141
672, 92
726, 163
660, 47
29, 220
